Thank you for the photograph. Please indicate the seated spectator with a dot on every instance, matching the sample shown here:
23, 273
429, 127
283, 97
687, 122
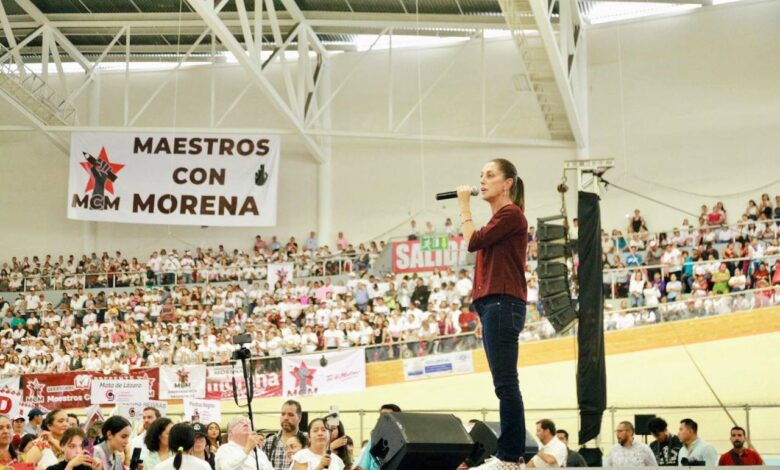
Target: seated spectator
666, 446
739, 454
695, 450
552, 452
629, 452
720, 280
573, 459
738, 282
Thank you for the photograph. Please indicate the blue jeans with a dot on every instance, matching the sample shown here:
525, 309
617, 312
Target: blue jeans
503, 318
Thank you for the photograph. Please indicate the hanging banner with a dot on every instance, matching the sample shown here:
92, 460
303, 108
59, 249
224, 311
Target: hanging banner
135, 411
219, 383
202, 411
324, 374
280, 272
74, 389
9, 383
10, 402
183, 382
438, 365
415, 256
108, 391
174, 179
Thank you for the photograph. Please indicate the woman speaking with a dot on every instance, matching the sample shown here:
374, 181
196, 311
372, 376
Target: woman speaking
499, 295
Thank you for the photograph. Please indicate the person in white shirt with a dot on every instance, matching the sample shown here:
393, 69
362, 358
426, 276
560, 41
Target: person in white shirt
181, 439
148, 416
243, 451
629, 452
552, 452
316, 456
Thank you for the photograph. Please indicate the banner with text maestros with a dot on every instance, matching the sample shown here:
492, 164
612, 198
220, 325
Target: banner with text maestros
177, 179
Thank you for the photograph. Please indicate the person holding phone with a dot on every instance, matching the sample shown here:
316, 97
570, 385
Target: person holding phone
499, 295
318, 456
75, 456
338, 443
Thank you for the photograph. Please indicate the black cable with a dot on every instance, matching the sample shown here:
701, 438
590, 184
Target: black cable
607, 184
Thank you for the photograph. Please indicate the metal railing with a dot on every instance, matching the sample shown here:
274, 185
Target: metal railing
713, 421
331, 266
35, 87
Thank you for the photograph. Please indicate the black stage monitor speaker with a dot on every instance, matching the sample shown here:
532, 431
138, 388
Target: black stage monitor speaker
485, 436
592, 456
427, 441
640, 424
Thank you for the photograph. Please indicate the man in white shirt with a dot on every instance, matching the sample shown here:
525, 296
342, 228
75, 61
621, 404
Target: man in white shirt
243, 449
552, 452
149, 415
629, 452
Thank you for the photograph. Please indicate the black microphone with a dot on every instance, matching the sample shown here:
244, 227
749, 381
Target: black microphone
454, 194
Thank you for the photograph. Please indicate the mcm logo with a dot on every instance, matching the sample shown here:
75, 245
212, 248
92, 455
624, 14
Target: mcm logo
184, 378
261, 176
304, 376
102, 176
35, 391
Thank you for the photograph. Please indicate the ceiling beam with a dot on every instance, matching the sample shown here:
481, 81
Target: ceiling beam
317, 19
254, 69
63, 41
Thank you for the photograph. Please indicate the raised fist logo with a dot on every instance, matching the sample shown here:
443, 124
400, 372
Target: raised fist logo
261, 176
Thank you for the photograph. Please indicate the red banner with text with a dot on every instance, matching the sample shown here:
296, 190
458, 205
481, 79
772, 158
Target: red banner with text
219, 383
73, 389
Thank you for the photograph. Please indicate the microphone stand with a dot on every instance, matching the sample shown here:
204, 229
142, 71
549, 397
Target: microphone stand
243, 355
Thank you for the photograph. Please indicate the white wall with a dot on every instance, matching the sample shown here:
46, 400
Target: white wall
376, 185
695, 95
698, 104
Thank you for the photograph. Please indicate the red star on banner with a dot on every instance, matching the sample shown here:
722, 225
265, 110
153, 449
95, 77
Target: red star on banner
115, 167
303, 371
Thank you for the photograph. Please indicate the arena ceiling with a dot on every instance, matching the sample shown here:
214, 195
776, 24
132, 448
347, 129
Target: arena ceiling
161, 28
40, 39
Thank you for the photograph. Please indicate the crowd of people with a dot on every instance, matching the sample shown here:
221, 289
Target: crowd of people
168, 267
174, 310
58, 440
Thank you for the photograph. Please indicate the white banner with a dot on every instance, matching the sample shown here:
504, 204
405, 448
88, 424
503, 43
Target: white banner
10, 403
111, 391
202, 411
339, 372
181, 179
135, 411
183, 382
281, 272
10, 383
438, 364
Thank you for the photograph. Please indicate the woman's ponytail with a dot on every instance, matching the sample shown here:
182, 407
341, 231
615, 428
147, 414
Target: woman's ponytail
518, 193
517, 190
178, 458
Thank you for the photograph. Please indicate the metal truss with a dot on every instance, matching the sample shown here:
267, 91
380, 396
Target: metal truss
304, 98
547, 34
